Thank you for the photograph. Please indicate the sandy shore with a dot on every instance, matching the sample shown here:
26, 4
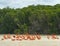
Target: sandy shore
42, 42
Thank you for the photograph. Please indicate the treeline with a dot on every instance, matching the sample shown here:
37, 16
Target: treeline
41, 19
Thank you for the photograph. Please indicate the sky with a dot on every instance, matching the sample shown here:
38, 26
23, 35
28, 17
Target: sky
25, 3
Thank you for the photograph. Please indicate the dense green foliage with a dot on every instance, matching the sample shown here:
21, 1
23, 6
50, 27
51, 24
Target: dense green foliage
43, 19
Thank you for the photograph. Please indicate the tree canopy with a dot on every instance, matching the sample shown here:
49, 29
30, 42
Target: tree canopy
41, 19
